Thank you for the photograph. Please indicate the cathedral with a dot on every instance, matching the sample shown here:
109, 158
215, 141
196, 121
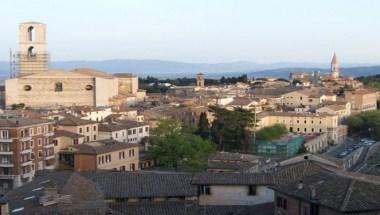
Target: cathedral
38, 87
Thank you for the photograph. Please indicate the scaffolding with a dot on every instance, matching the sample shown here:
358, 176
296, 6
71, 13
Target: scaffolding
31, 64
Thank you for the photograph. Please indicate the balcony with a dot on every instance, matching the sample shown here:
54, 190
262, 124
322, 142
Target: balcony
49, 134
26, 163
6, 164
26, 151
50, 157
6, 152
9, 140
28, 174
49, 146
23, 139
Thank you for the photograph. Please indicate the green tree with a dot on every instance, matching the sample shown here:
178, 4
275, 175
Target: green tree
230, 128
173, 146
203, 129
365, 124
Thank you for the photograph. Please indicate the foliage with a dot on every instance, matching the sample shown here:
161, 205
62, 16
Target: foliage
203, 129
371, 81
271, 132
365, 123
229, 128
173, 146
18, 106
234, 80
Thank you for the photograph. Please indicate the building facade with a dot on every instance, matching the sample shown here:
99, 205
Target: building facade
26, 146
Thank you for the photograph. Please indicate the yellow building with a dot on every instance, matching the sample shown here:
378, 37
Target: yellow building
106, 155
305, 123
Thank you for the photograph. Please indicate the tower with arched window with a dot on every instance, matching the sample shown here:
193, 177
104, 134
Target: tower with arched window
32, 56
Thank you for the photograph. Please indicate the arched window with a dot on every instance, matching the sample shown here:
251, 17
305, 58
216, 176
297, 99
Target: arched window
31, 33
31, 52
58, 87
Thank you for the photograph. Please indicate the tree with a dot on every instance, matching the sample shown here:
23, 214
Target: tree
229, 128
203, 129
271, 132
365, 124
173, 146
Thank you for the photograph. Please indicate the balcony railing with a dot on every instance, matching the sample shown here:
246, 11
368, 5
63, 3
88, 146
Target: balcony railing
49, 134
6, 164
27, 138
26, 151
26, 163
49, 146
7, 140
6, 152
49, 157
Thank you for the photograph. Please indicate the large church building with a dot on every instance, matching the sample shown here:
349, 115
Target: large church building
37, 86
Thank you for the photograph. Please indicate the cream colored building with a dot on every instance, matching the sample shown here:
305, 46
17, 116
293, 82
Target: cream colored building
306, 97
305, 123
37, 86
361, 100
342, 110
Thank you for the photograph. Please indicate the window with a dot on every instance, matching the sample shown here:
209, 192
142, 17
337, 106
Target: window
132, 167
40, 154
252, 190
281, 202
134, 131
32, 144
146, 129
87, 138
31, 52
4, 134
89, 87
95, 125
305, 129
204, 190
31, 33
27, 88
129, 132
46, 129
87, 129
39, 142
22, 133
58, 87
38, 130
140, 130
80, 130
121, 155
94, 137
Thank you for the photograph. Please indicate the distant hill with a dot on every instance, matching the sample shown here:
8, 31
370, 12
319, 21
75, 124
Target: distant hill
172, 69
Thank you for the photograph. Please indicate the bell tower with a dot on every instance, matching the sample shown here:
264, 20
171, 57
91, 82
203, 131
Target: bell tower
200, 80
32, 56
334, 67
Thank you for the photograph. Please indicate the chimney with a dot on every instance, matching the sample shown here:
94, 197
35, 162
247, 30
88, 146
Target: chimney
4, 207
300, 185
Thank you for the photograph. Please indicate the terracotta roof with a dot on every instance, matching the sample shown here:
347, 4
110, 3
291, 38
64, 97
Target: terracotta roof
344, 194
83, 195
21, 122
144, 184
92, 72
74, 121
64, 133
102, 146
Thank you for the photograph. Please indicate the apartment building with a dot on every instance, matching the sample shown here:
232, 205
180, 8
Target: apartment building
127, 131
342, 110
307, 97
26, 145
362, 100
87, 128
106, 155
305, 123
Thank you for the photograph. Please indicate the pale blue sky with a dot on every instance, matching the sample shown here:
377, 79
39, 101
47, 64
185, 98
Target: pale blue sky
262, 31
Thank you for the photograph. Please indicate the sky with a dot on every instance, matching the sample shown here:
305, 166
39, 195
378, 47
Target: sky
207, 31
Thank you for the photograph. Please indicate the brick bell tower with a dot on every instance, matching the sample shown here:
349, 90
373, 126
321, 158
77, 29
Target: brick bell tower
32, 56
